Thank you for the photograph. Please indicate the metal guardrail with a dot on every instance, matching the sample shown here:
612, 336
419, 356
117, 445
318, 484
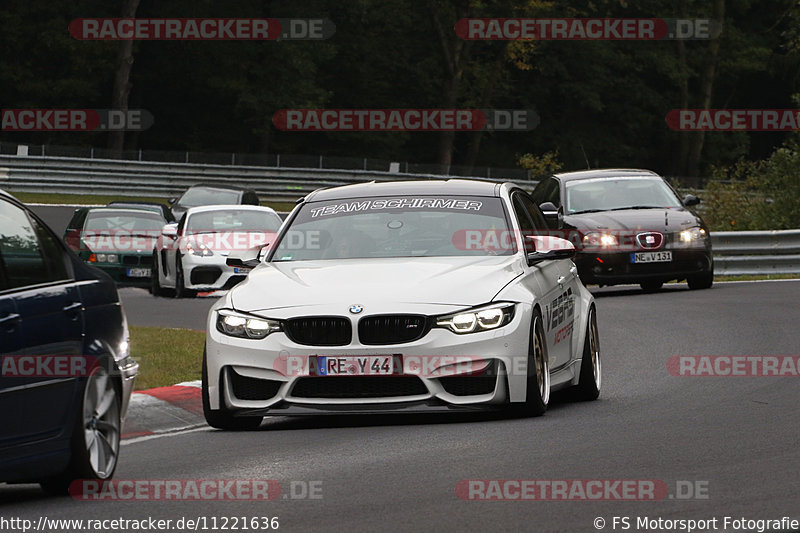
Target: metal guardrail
154, 179
756, 252
735, 252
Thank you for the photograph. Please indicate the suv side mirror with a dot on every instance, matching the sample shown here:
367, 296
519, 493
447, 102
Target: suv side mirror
250, 258
690, 199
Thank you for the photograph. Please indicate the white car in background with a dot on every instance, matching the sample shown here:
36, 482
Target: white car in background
403, 296
190, 256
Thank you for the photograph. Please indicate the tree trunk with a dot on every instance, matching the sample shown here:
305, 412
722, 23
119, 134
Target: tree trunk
122, 83
706, 88
454, 52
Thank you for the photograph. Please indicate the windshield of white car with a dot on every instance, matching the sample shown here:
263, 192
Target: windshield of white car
108, 220
614, 194
239, 220
203, 196
406, 226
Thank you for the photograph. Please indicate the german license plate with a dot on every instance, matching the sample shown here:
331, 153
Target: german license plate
138, 272
651, 257
367, 365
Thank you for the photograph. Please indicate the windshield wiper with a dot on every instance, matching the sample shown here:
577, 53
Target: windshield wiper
587, 211
636, 207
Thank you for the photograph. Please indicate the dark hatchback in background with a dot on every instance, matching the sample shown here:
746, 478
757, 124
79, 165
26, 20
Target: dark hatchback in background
198, 195
117, 239
629, 227
57, 424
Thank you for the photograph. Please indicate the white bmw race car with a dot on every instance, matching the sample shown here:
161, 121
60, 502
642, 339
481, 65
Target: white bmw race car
190, 255
400, 297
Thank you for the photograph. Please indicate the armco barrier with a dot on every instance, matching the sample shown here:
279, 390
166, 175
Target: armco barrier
756, 252
735, 252
155, 179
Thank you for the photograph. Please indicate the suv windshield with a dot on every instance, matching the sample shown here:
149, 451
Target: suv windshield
607, 194
405, 226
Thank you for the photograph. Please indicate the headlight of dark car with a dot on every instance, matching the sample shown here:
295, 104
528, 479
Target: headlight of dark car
695, 234
244, 326
479, 319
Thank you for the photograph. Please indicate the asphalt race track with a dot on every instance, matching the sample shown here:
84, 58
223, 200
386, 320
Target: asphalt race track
732, 440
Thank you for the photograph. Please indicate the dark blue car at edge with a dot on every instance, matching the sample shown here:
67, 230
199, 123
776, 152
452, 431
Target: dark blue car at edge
67, 375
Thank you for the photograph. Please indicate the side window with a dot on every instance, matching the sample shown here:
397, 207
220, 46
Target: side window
525, 222
29, 255
547, 191
553, 193
534, 212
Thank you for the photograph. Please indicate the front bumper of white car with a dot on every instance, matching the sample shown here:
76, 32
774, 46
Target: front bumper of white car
441, 369
210, 272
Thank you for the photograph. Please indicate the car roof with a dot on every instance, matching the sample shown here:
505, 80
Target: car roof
606, 173
460, 187
232, 207
126, 209
222, 187
135, 204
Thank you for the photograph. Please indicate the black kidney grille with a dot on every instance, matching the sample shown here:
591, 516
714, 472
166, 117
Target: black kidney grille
358, 387
319, 330
392, 329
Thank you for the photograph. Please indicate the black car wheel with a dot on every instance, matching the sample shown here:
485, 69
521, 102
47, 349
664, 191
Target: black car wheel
180, 285
701, 281
537, 392
651, 286
222, 418
589, 382
95, 436
155, 286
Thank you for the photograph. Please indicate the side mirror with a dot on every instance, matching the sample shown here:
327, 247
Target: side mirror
170, 230
172, 201
690, 199
250, 258
550, 212
549, 248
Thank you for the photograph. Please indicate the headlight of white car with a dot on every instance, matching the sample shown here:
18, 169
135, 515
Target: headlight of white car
480, 319
199, 249
236, 324
693, 234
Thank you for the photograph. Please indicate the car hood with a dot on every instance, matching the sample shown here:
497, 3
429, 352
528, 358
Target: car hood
420, 280
665, 220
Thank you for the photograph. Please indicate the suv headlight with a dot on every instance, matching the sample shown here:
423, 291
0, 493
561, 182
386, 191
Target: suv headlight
480, 319
693, 234
245, 326
596, 239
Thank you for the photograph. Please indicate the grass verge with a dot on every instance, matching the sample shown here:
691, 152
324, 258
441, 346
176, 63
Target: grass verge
166, 356
92, 199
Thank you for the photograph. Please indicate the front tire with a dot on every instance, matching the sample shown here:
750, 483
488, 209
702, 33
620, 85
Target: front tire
96, 434
537, 391
651, 286
701, 281
155, 285
222, 418
180, 284
590, 380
